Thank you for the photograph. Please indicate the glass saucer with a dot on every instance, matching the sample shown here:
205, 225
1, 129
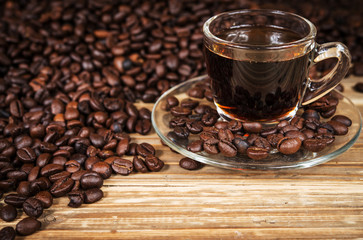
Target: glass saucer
275, 161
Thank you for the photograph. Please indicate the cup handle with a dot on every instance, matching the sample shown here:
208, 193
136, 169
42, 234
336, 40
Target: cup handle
316, 88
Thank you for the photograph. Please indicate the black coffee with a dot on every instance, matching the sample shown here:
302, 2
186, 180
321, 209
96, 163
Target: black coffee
257, 91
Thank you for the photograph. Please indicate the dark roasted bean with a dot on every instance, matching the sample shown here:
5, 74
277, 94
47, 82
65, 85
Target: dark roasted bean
314, 145
153, 163
195, 146
338, 127
342, 119
61, 187
227, 148
289, 145
7, 233
33, 207
122, 166
139, 165
28, 226
93, 195
76, 199
190, 164
91, 180
257, 153
145, 149
103, 169
252, 127
45, 198
8, 213
241, 145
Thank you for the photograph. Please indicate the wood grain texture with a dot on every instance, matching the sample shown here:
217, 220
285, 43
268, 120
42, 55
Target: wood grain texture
323, 202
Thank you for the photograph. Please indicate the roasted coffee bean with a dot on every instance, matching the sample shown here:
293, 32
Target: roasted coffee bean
308, 133
189, 103
262, 143
209, 119
241, 145
7, 233
97, 140
55, 177
310, 113
145, 149
7, 185
338, 127
329, 113
252, 127
34, 173
257, 153
153, 163
181, 132
296, 134
23, 189
235, 126
26, 155
178, 122
227, 148
202, 109
103, 169
180, 111
172, 102
62, 187
122, 166
195, 146
91, 180
327, 137
194, 127
189, 164
139, 165
43, 159
77, 175
225, 135
76, 199
288, 145
15, 200
45, 198
33, 207
39, 184
342, 119
72, 166
314, 145
143, 126
93, 195
211, 146
28, 226
8, 213
51, 169
196, 92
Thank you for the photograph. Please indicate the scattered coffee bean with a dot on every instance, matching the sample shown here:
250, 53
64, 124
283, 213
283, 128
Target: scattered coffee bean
33, 207
93, 195
28, 226
8, 213
122, 166
190, 164
7, 233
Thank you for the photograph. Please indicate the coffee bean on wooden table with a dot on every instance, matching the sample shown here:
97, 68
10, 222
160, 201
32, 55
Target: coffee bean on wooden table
139, 165
122, 166
91, 180
144, 149
7, 233
8, 213
33, 207
76, 198
153, 163
45, 198
15, 200
190, 164
27, 226
93, 195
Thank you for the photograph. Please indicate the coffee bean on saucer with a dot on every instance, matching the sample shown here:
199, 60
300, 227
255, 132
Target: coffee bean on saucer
288, 145
314, 145
342, 119
257, 153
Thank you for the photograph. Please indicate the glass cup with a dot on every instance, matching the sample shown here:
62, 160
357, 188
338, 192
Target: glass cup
259, 61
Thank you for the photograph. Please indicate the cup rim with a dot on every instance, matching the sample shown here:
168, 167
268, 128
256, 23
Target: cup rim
310, 36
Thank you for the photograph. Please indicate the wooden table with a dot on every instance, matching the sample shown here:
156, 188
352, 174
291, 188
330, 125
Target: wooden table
322, 202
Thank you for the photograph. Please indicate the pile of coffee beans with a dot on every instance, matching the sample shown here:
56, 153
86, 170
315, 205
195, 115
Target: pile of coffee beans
216, 136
